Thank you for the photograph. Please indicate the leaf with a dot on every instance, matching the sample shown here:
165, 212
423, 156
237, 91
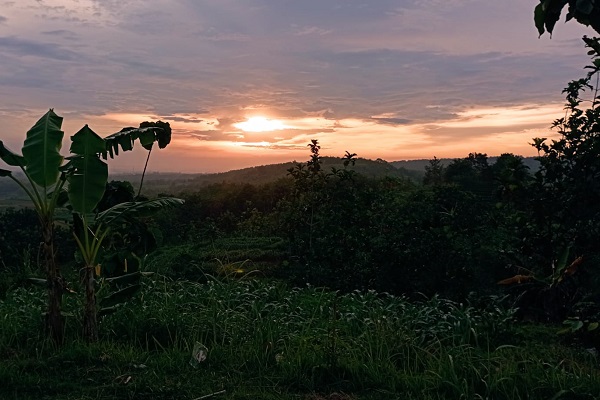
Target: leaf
38, 282
539, 16
561, 393
516, 279
128, 278
11, 158
147, 139
571, 269
593, 326
584, 6
561, 263
89, 175
125, 139
87, 143
63, 198
552, 10
163, 134
137, 209
120, 296
41, 149
107, 310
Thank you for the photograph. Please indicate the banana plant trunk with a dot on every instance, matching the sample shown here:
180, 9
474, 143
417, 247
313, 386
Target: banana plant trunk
90, 319
55, 322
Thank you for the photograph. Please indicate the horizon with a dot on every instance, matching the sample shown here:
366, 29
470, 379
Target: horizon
251, 84
158, 172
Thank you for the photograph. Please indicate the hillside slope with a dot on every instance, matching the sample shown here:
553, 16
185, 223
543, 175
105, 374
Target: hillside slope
175, 183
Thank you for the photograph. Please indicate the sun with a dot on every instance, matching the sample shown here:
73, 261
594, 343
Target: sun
261, 124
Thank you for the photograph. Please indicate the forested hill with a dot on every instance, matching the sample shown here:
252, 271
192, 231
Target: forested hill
175, 183
267, 173
419, 165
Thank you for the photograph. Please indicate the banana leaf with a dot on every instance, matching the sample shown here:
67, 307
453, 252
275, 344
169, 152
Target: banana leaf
125, 139
88, 176
41, 150
11, 158
137, 209
128, 278
120, 296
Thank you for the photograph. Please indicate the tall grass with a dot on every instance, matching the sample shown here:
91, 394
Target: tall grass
267, 340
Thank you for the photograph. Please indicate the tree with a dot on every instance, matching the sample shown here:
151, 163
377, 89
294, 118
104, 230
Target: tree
547, 13
511, 175
84, 175
565, 214
472, 174
434, 172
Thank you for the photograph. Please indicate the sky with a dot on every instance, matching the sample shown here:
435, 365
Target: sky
252, 82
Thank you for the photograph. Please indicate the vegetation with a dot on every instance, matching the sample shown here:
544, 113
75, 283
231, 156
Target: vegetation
258, 339
479, 281
85, 176
547, 13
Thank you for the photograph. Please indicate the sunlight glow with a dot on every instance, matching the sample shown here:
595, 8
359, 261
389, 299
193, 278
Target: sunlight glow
261, 124
505, 116
218, 141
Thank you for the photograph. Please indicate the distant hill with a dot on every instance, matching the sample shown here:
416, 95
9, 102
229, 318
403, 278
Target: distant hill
419, 165
11, 194
175, 183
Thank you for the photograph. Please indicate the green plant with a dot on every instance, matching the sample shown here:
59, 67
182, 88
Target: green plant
85, 177
548, 298
562, 215
91, 243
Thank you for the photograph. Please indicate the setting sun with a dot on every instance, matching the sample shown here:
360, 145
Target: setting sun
260, 124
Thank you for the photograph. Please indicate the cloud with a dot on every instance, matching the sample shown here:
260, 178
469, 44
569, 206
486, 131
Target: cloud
22, 47
3, 19
311, 30
62, 33
189, 120
391, 121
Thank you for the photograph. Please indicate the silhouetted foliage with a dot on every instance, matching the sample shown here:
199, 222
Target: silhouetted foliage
434, 172
547, 13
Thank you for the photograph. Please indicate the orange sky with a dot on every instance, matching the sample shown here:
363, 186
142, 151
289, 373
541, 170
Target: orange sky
260, 140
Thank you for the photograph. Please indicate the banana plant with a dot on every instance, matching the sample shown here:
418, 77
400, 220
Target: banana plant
94, 231
43, 182
85, 176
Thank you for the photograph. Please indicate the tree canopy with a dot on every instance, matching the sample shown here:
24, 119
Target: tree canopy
548, 12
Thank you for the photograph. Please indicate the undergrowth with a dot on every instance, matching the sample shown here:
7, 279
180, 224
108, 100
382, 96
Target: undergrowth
263, 339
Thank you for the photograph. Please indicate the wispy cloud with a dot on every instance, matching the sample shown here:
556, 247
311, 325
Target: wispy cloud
22, 47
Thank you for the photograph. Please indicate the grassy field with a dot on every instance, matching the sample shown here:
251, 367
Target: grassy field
261, 339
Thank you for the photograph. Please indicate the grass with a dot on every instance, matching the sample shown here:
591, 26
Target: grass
261, 255
265, 340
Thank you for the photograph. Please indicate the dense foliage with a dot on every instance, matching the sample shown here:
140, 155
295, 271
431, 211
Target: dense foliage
548, 12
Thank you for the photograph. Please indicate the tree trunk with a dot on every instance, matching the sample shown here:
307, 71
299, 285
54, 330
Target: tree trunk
54, 320
90, 319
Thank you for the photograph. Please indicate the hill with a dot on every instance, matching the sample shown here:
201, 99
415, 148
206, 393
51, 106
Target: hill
419, 165
155, 183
